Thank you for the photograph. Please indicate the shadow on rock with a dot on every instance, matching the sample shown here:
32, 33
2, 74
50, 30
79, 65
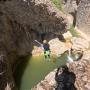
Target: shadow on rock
18, 74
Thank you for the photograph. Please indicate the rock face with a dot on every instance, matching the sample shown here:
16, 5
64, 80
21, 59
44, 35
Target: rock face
82, 71
79, 44
80, 68
22, 21
83, 16
30, 13
70, 6
57, 47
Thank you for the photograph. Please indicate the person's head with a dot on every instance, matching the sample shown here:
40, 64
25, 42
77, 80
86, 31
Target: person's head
44, 41
65, 68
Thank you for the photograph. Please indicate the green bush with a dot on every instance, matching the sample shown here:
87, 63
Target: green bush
57, 4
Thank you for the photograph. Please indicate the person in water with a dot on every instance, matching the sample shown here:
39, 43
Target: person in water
65, 80
46, 49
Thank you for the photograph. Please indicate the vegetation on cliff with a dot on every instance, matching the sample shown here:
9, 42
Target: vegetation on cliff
57, 3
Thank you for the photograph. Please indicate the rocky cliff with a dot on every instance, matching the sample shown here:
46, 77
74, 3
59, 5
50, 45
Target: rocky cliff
83, 16
22, 21
80, 10
71, 7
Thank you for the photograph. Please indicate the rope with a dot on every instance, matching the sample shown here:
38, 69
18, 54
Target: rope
2, 73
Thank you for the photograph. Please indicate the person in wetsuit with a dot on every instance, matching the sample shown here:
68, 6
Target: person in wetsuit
46, 49
65, 80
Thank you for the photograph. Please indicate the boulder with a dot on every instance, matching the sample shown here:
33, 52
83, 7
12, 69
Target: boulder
79, 43
57, 47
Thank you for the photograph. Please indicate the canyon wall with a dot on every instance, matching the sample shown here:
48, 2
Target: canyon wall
83, 16
80, 10
21, 22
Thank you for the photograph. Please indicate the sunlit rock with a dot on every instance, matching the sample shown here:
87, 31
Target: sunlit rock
79, 44
67, 35
57, 47
37, 51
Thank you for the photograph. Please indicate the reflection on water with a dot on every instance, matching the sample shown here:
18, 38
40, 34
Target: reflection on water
32, 71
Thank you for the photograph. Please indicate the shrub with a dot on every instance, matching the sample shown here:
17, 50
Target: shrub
57, 4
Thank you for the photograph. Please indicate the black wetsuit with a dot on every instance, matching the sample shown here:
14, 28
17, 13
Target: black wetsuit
46, 50
46, 47
65, 81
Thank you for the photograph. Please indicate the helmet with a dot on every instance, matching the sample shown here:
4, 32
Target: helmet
44, 41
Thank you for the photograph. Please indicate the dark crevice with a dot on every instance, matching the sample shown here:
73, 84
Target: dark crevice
74, 16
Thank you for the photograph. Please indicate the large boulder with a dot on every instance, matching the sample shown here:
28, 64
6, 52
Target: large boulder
57, 47
79, 43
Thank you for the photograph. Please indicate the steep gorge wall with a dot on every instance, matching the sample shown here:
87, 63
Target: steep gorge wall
70, 6
80, 10
20, 21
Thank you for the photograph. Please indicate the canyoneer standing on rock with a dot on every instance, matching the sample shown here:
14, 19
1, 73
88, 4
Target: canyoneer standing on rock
46, 49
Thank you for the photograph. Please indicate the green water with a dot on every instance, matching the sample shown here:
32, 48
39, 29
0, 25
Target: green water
30, 72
